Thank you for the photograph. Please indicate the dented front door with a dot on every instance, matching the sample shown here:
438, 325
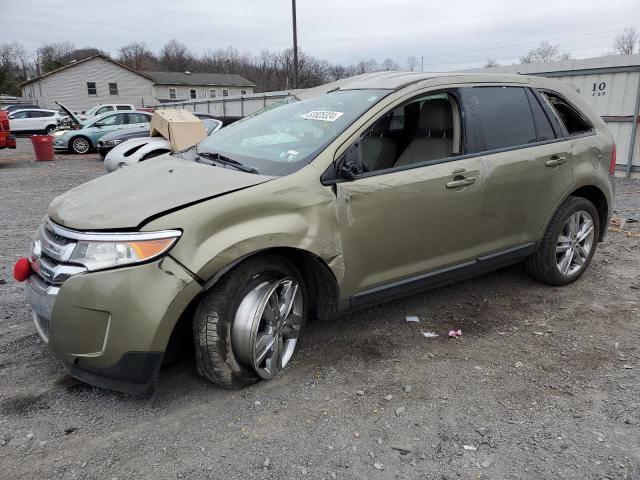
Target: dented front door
404, 223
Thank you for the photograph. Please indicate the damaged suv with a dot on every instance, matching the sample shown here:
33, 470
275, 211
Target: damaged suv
364, 190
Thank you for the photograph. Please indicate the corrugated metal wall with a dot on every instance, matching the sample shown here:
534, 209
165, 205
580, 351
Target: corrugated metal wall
610, 84
238, 106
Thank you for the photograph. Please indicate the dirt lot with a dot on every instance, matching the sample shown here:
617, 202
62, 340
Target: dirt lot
543, 384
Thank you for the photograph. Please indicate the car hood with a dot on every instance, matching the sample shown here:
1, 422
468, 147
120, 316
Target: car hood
70, 113
127, 198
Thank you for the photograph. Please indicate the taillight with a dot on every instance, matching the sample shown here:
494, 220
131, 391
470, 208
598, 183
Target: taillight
4, 124
612, 166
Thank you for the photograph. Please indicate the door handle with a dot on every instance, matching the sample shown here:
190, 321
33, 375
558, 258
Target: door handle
462, 182
555, 161
457, 170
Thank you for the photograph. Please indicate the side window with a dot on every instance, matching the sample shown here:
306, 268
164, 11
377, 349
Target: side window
423, 130
192, 92
19, 115
212, 93
503, 115
544, 130
123, 107
113, 89
225, 93
91, 88
36, 114
137, 118
397, 120
172, 93
574, 122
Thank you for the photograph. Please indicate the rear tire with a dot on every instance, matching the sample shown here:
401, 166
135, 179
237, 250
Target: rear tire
568, 245
241, 332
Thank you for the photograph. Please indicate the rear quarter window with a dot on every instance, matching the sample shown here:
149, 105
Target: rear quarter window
574, 121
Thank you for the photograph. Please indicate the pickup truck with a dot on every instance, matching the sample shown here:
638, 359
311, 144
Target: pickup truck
6, 140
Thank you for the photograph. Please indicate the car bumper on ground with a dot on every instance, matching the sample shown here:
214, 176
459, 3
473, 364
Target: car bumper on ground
110, 328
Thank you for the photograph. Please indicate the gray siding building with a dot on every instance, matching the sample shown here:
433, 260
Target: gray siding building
180, 86
100, 79
88, 82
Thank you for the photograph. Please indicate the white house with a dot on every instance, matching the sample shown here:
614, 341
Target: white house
99, 79
88, 82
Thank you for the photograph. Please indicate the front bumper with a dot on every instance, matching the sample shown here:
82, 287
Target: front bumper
103, 150
60, 143
110, 328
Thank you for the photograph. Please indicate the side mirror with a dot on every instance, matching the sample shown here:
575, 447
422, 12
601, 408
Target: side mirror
349, 164
99, 125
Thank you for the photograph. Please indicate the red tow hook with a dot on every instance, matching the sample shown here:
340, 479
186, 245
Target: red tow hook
22, 269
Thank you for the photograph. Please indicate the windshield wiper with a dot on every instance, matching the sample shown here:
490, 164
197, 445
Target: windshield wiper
216, 157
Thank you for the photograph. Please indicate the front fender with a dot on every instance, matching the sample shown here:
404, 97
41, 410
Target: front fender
281, 213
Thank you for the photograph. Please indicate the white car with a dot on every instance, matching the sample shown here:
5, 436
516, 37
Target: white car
138, 149
34, 120
102, 108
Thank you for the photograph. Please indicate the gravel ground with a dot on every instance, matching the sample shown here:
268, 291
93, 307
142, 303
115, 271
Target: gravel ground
543, 383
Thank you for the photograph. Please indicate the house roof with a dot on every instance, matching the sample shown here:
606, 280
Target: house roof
73, 64
199, 79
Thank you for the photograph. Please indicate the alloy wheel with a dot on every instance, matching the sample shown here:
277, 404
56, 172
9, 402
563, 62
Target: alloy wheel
574, 243
267, 325
81, 145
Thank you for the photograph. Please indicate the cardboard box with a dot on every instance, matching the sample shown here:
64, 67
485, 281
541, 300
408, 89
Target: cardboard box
180, 127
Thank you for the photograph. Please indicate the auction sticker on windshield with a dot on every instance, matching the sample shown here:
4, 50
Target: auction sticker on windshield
324, 115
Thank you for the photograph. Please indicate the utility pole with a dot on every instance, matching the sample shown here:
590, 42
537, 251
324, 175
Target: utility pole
295, 45
422, 64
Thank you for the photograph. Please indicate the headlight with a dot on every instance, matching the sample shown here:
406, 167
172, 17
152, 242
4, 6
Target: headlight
58, 133
112, 143
111, 250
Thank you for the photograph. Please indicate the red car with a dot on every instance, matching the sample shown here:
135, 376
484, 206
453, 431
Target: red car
6, 140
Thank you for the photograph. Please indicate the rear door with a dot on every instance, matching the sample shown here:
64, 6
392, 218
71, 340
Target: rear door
527, 164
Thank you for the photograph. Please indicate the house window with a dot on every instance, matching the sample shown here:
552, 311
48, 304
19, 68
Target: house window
91, 88
243, 92
192, 92
113, 89
172, 93
225, 93
212, 93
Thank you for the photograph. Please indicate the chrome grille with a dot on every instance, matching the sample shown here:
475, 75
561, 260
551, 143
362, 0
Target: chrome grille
51, 251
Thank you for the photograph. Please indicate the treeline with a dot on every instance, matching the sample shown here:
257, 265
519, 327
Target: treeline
270, 71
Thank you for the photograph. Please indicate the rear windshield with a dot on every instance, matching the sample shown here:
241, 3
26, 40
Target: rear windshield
284, 139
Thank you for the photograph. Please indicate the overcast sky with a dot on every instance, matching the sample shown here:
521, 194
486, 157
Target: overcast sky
449, 34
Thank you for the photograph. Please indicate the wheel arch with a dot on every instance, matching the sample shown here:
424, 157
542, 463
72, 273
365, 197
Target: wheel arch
596, 196
81, 135
322, 285
322, 289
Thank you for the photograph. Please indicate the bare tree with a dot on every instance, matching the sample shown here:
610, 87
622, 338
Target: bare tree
545, 52
175, 57
54, 55
412, 64
491, 62
625, 43
136, 55
389, 64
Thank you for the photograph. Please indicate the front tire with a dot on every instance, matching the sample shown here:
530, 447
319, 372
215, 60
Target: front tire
49, 129
80, 145
247, 327
568, 245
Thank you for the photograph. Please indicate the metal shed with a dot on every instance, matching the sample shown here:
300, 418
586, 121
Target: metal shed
611, 85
